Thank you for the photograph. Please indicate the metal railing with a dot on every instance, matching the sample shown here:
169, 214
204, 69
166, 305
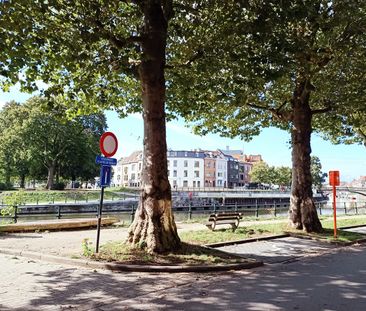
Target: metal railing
255, 210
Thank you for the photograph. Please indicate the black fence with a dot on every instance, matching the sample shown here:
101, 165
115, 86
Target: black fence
190, 212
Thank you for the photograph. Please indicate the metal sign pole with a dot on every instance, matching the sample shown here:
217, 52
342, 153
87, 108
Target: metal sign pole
108, 145
99, 218
335, 211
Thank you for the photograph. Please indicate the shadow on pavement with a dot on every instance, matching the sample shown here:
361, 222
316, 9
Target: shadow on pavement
330, 282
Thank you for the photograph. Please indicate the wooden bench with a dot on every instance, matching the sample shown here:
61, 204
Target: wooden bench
232, 219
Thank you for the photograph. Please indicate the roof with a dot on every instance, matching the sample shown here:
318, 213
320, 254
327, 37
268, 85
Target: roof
134, 157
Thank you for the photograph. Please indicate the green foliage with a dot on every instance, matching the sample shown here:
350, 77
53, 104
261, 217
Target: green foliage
46, 196
4, 186
58, 186
252, 56
11, 200
318, 177
87, 248
36, 142
14, 198
263, 173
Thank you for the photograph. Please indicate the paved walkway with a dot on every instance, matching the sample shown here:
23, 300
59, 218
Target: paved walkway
299, 275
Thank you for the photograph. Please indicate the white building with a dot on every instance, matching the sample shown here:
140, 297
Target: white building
221, 170
127, 172
186, 168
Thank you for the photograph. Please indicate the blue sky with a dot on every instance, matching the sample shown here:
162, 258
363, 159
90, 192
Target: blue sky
272, 143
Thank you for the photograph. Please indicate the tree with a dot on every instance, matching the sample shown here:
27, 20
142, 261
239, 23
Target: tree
318, 177
33, 138
111, 54
283, 176
261, 172
15, 158
296, 65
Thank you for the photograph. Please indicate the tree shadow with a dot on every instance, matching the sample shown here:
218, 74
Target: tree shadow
332, 282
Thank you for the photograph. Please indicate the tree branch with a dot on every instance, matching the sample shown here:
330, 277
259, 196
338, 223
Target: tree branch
189, 62
322, 110
283, 116
116, 42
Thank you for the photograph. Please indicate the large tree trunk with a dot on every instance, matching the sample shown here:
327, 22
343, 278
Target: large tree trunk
154, 225
303, 214
51, 175
22, 181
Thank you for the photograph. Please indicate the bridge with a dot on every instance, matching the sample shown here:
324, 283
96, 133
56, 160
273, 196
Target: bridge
357, 190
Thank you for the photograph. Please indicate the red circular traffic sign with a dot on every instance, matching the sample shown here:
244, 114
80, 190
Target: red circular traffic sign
108, 144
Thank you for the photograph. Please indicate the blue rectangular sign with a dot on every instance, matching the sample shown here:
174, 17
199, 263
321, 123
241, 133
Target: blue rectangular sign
105, 161
105, 175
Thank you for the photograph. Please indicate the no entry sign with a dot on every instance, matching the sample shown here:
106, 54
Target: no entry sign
108, 144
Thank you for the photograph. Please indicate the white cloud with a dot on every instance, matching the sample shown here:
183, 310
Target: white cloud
2, 103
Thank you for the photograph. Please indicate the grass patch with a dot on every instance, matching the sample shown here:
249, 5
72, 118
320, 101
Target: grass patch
223, 235
188, 254
256, 230
345, 222
328, 235
53, 196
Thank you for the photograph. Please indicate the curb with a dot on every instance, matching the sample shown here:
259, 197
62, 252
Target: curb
117, 267
336, 243
251, 240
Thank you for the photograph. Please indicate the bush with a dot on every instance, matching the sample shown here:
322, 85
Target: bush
5, 186
58, 186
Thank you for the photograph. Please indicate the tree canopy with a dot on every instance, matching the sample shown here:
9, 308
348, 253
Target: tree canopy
296, 65
231, 66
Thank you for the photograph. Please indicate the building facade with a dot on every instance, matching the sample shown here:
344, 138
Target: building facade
191, 169
186, 169
127, 172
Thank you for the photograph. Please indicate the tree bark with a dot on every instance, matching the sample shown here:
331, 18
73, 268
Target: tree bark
154, 226
51, 175
302, 213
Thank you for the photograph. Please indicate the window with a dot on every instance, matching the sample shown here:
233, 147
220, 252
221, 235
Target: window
219, 174
168, 163
174, 183
196, 164
174, 173
198, 184
175, 163
140, 166
133, 167
168, 173
133, 176
185, 173
185, 163
125, 170
185, 183
194, 183
196, 173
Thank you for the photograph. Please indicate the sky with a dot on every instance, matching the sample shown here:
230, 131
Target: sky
272, 143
